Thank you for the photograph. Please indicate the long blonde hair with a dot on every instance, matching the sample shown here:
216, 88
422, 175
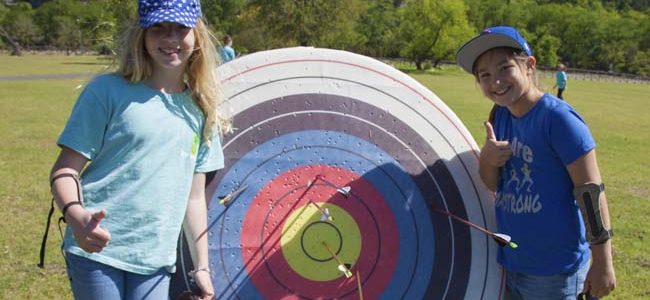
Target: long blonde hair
200, 72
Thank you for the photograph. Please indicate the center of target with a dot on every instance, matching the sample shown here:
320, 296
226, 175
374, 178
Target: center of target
324, 234
317, 238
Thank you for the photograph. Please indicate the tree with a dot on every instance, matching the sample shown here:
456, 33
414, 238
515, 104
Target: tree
544, 33
250, 35
222, 15
306, 22
377, 27
623, 5
483, 14
432, 30
82, 25
597, 38
15, 47
18, 28
98, 26
640, 64
621, 41
66, 33
47, 14
545, 49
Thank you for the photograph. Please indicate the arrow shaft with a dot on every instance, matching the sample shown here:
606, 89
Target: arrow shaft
359, 286
336, 257
444, 212
318, 206
468, 223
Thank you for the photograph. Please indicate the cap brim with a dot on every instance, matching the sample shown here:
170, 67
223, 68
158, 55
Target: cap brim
468, 53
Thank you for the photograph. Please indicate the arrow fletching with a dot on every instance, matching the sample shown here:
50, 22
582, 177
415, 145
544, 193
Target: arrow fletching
346, 271
326, 215
225, 200
504, 240
345, 191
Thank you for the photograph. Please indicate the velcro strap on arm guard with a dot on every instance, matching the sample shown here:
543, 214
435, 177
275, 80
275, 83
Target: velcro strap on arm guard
588, 198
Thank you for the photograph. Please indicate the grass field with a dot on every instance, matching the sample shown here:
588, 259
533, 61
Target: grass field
32, 113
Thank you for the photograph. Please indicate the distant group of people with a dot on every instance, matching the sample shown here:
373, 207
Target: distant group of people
138, 143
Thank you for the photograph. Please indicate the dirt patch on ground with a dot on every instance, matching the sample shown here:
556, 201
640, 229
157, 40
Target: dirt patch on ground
643, 262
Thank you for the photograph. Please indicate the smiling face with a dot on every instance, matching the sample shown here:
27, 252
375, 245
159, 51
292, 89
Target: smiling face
169, 45
505, 78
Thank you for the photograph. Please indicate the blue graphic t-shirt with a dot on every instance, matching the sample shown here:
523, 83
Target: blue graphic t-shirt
144, 147
534, 201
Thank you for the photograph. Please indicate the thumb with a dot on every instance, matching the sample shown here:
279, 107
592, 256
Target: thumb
489, 131
96, 218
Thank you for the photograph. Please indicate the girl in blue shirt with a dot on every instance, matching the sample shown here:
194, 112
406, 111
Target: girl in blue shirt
538, 150
142, 140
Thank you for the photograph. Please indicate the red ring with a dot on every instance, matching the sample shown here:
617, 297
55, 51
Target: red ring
265, 264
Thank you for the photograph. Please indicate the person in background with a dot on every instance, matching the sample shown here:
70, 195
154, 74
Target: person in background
226, 52
134, 152
557, 213
560, 80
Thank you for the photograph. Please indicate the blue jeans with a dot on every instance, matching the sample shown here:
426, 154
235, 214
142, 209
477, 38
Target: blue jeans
93, 280
557, 287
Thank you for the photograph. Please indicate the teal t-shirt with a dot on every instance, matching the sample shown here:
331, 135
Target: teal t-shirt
144, 147
561, 79
227, 54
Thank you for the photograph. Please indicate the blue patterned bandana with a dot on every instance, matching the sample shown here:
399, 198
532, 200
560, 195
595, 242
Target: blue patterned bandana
184, 12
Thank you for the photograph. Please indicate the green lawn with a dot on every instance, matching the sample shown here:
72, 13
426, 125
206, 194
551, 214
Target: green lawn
32, 113
31, 64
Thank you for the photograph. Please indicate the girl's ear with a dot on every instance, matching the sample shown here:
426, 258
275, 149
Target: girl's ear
531, 63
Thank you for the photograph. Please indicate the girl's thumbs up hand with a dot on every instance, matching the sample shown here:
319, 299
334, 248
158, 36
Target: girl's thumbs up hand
88, 233
495, 153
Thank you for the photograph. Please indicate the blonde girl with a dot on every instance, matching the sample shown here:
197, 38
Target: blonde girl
134, 153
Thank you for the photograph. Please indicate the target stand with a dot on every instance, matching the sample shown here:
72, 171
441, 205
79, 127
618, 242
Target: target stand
334, 172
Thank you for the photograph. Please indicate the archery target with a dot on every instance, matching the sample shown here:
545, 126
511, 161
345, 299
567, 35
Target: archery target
338, 163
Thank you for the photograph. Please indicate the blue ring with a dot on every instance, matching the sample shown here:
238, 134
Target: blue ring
307, 150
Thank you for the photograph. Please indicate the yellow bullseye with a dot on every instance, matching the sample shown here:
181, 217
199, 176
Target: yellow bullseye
303, 235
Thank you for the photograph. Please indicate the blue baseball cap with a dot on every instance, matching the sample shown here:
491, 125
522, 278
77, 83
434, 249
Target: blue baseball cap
184, 12
493, 37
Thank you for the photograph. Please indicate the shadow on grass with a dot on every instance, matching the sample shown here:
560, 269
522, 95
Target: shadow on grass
440, 71
101, 60
85, 63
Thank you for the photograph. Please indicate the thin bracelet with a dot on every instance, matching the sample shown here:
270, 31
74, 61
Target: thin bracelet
193, 272
67, 205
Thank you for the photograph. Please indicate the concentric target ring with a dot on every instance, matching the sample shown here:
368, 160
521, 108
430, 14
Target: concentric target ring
352, 121
304, 241
277, 273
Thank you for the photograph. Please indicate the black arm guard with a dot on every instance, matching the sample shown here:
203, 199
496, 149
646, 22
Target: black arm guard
588, 198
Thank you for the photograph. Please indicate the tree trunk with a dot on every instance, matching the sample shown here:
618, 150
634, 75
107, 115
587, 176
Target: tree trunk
418, 64
15, 47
